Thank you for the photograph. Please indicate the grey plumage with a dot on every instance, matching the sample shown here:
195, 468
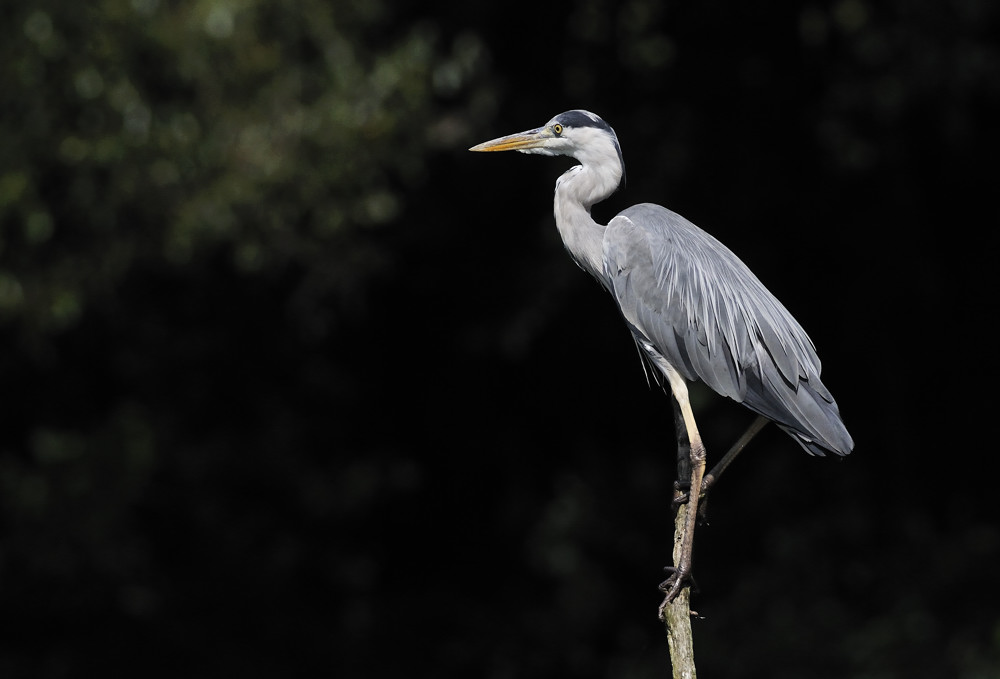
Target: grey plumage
695, 310
688, 299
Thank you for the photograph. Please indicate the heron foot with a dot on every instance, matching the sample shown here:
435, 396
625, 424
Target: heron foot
672, 586
682, 493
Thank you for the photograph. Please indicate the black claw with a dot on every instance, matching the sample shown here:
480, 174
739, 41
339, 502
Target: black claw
675, 573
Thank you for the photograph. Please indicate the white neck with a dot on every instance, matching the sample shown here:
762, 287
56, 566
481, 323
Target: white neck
576, 192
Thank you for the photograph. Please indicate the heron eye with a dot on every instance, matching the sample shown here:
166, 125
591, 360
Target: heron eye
557, 128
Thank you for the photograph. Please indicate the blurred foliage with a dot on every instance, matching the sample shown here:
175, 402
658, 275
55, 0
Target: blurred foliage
147, 133
177, 181
293, 385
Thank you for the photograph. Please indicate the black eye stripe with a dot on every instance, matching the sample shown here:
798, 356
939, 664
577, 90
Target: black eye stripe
581, 119
577, 119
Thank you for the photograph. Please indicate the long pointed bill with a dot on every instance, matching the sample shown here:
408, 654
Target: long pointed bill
522, 141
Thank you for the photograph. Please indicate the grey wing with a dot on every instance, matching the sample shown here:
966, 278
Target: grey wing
688, 299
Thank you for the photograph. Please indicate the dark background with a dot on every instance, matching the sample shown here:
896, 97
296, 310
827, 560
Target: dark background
293, 385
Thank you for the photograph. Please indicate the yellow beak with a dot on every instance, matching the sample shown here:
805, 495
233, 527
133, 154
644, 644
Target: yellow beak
522, 141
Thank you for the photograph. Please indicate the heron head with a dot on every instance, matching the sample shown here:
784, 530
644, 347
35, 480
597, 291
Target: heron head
580, 134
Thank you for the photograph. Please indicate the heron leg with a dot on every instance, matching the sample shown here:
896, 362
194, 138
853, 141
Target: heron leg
683, 463
711, 477
683, 550
682, 485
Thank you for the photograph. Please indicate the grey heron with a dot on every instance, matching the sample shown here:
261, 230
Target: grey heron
696, 312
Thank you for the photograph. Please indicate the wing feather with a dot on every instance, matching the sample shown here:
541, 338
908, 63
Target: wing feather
688, 299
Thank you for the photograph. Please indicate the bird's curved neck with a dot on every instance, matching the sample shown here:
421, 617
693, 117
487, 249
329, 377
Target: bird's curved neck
576, 192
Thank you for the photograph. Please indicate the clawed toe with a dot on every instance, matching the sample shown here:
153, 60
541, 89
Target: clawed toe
673, 585
676, 581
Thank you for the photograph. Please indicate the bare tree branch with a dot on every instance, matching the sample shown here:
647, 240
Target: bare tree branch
677, 615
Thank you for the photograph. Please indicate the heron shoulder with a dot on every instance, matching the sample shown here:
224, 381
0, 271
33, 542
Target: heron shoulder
662, 227
676, 278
